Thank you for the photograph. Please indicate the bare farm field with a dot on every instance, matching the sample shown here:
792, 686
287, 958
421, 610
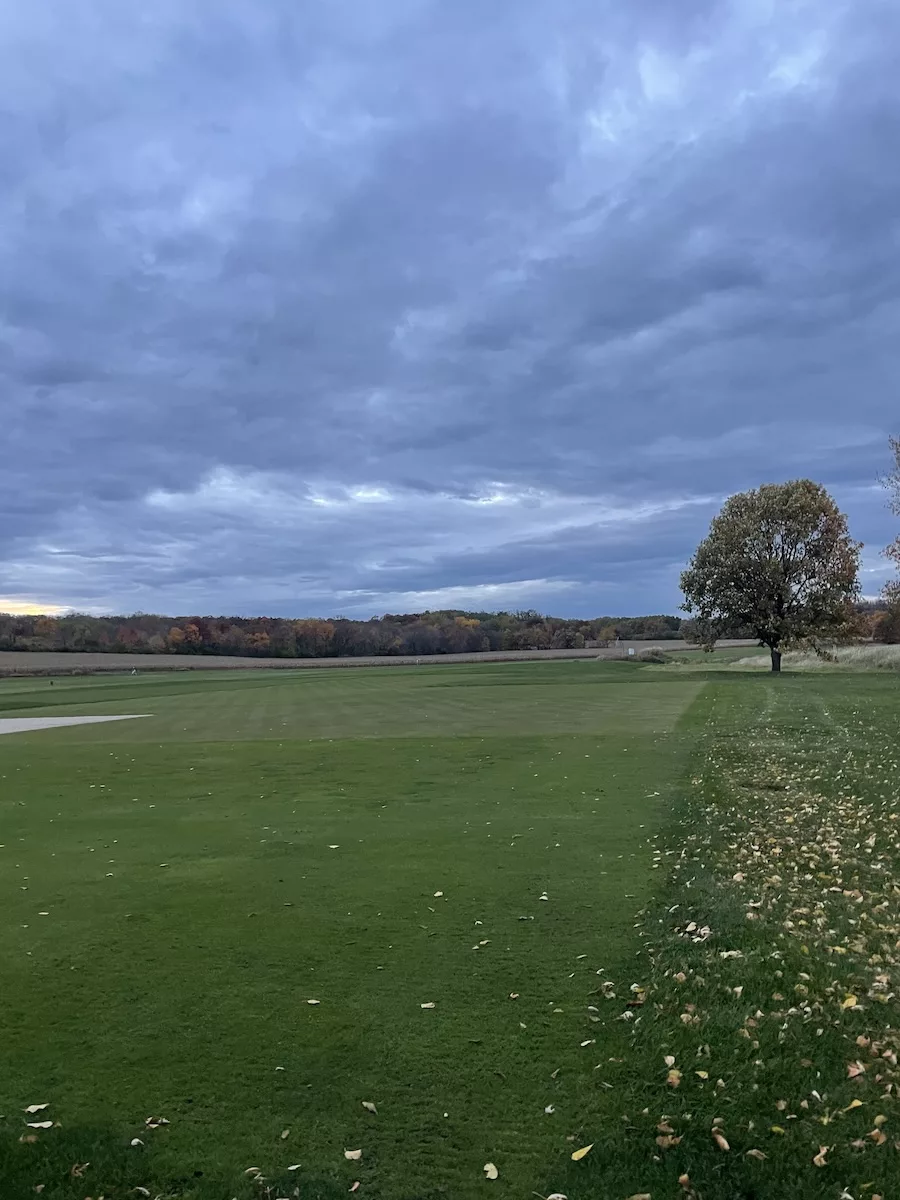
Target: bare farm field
17, 662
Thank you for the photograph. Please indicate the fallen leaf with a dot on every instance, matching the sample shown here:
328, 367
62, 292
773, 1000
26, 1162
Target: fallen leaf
285, 1133
78, 1169
513, 995
852, 1104
673, 1079
369, 1106
437, 895
354, 1186
557, 1196
314, 1002
353, 1155
819, 1159
702, 1074
136, 1142
720, 1140
756, 1154
578, 1155
849, 1002
669, 1060
491, 1171
430, 1004
855, 1069
295, 1167
641, 1196
549, 1109
35, 1108
40, 1124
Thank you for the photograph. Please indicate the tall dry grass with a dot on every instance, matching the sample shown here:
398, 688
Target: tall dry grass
847, 658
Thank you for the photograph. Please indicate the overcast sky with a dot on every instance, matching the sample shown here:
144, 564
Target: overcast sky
354, 306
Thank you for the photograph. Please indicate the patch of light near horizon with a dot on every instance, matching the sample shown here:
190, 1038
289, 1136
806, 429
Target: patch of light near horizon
21, 607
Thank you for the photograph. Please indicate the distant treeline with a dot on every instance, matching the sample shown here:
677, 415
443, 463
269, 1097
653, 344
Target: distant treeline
449, 631
445, 632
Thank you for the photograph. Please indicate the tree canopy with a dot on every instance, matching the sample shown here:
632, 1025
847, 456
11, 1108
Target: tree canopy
778, 560
892, 483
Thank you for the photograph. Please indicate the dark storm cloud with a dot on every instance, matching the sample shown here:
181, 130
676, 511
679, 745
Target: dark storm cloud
360, 306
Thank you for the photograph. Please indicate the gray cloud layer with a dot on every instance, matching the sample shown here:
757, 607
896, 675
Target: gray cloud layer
386, 304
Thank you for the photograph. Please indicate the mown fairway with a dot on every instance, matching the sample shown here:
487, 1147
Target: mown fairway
175, 890
263, 841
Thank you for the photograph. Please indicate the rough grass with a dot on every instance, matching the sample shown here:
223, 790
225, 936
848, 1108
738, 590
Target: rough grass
763, 1063
173, 899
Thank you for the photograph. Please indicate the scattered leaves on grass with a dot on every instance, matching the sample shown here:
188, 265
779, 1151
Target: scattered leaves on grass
36, 1108
369, 1106
40, 1124
578, 1155
720, 1139
353, 1155
491, 1171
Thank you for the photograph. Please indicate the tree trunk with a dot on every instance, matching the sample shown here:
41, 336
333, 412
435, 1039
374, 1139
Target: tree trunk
776, 659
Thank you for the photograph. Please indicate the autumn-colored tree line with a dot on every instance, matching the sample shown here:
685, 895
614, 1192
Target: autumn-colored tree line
445, 632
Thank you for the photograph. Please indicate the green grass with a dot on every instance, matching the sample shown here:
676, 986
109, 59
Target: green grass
179, 990
639, 799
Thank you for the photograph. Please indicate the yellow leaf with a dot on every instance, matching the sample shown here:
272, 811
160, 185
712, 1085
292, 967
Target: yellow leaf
852, 1104
880, 1120
849, 1002
702, 1074
578, 1155
491, 1171
673, 1079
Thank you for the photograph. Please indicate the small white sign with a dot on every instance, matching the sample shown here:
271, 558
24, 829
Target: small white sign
631, 650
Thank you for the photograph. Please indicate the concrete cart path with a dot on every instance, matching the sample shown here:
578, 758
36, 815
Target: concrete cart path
27, 724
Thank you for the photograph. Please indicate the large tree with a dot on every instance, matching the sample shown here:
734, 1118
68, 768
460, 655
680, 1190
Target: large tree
892, 483
778, 560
